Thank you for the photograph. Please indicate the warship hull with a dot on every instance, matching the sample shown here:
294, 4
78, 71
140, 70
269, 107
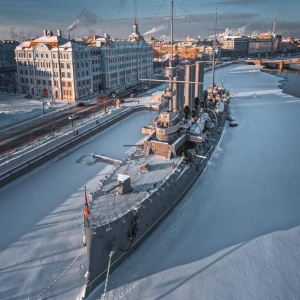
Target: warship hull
109, 244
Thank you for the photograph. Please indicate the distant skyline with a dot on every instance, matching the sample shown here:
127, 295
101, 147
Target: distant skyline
22, 19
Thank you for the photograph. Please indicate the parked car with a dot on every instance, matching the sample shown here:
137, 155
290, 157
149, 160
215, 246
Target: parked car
80, 103
28, 96
133, 95
73, 117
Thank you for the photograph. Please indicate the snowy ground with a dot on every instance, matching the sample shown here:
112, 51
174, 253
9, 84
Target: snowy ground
15, 108
235, 235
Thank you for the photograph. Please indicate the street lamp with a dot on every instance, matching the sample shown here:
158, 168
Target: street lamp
114, 96
43, 103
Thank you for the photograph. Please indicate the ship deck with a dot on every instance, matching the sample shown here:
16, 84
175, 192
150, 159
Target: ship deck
107, 204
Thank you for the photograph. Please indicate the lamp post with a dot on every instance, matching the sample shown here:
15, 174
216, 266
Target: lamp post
43, 103
114, 96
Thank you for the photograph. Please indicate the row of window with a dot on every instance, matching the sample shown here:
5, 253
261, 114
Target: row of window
67, 93
82, 74
83, 82
67, 84
66, 75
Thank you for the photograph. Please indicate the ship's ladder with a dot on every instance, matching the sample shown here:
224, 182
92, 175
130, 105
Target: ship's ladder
111, 253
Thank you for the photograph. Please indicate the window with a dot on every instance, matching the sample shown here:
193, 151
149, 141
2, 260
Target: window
62, 74
69, 75
62, 65
69, 84
68, 66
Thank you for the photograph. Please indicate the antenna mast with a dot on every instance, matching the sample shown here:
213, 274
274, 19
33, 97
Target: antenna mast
135, 12
274, 24
172, 17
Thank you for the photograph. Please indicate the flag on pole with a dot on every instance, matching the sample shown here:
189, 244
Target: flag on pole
86, 207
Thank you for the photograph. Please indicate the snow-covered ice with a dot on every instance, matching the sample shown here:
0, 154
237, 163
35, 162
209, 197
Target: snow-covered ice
235, 235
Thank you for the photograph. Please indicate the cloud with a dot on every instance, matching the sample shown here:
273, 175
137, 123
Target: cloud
231, 31
85, 19
164, 38
155, 29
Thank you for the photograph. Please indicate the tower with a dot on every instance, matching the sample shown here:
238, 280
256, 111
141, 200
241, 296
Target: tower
274, 23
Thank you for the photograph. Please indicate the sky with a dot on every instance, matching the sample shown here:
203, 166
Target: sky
235, 235
21, 19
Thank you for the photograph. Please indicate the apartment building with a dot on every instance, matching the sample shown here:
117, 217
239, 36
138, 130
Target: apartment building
59, 68
237, 44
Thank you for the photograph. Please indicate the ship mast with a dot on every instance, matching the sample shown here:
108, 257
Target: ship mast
214, 48
170, 72
172, 17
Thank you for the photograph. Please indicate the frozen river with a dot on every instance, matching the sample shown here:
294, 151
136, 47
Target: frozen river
235, 235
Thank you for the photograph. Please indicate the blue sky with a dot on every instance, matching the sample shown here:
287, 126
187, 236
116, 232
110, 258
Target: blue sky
26, 18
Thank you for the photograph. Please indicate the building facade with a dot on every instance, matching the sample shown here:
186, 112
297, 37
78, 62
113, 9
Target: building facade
58, 68
7, 55
236, 44
8, 67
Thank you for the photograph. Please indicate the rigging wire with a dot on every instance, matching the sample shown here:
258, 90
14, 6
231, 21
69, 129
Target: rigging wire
60, 275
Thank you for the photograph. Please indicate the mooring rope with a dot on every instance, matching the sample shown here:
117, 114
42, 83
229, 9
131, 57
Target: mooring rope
60, 275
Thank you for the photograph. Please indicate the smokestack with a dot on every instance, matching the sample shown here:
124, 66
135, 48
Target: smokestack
58, 32
189, 87
179, 98
199, 77
44, 32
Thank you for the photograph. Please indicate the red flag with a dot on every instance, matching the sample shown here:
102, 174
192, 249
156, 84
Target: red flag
86, 208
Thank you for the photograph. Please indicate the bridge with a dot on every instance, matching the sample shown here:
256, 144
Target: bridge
273, 63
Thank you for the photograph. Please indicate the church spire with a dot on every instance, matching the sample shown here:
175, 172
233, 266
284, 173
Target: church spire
135, 29
274, 24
